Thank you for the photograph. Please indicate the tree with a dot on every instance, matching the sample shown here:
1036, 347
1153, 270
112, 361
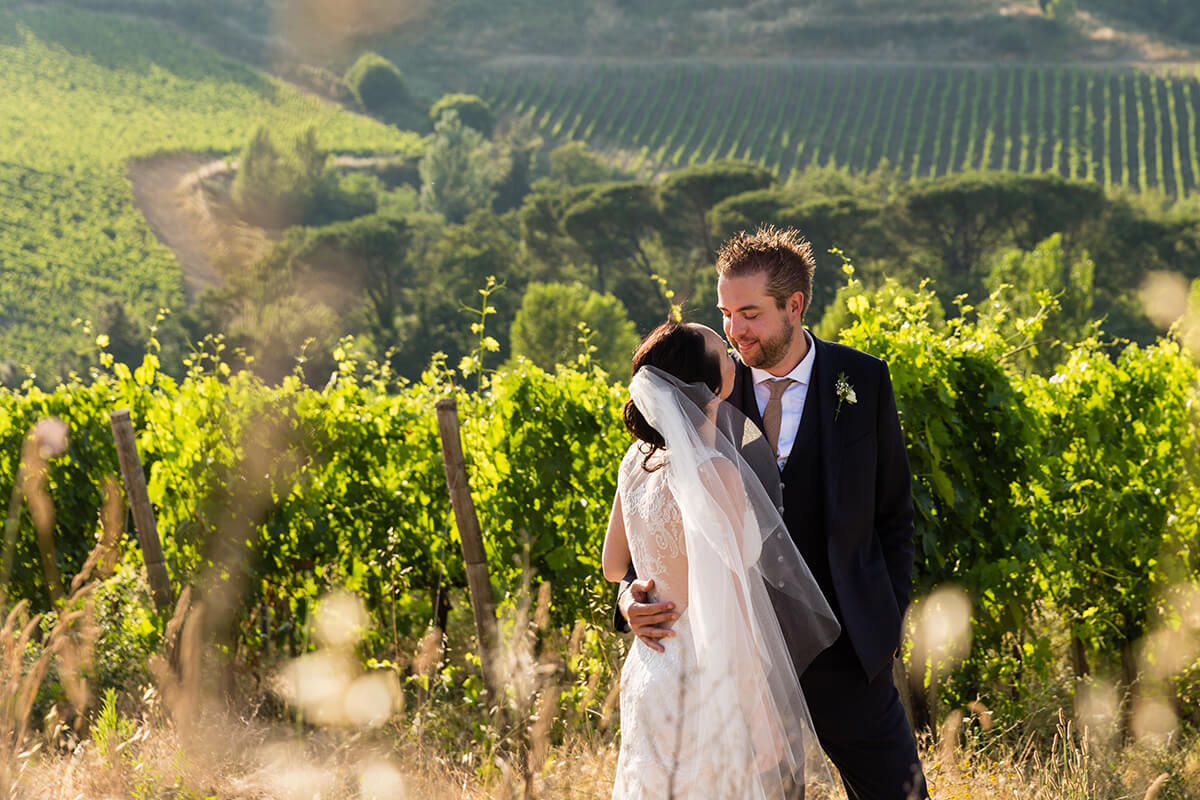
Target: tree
958, 221
276, 185
471, 109
1046, 278
555, 254
547, 328
377, 84
516, 148
574, 165
452, 262
687, 195
368, 256
126, 337
1047, 204
850, 222
342, 196
610, 222
458, 171
748, 210
1061, 10
321, 283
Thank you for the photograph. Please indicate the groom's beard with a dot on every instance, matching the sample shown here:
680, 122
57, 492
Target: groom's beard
771, 351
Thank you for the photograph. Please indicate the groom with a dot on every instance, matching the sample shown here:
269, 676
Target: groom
830, 414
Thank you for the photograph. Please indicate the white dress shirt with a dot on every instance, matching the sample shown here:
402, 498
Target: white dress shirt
792, 401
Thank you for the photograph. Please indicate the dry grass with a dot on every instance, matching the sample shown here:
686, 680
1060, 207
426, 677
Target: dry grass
229, 757
181, 738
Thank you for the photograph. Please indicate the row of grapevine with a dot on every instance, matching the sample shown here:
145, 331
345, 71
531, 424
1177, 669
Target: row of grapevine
1116, 126
1020, 483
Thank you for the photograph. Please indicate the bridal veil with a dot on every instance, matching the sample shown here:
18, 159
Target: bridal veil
744, 574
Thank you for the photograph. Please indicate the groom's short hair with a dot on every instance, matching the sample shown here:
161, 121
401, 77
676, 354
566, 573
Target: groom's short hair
785, 255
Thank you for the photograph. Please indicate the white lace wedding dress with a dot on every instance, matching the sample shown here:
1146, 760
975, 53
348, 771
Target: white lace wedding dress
670, 746
720, 715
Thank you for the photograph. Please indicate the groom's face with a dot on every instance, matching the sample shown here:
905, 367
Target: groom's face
763, 333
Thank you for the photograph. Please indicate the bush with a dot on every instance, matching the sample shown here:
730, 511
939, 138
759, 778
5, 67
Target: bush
276, 186
472, 110
458, 171
574, 165
546, 329
345, 196
1063, 506
377, 84
129, 629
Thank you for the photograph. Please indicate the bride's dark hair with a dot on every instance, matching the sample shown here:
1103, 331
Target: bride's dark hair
678, 350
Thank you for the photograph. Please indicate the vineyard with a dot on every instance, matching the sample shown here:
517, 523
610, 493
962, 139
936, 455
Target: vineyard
83, 95
1113, 126
1034, 496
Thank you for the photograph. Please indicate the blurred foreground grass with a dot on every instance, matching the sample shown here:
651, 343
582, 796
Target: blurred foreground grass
324, 725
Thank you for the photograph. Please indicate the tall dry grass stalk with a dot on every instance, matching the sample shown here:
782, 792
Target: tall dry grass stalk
24, 661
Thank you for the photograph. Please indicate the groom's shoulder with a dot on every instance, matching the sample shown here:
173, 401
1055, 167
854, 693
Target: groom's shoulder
846, 356
858, 368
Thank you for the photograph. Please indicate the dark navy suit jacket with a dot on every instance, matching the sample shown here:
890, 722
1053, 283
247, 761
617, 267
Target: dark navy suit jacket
866, 496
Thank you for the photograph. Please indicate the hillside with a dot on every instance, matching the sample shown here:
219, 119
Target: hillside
424, 36
874, 29
84, 96
126, 88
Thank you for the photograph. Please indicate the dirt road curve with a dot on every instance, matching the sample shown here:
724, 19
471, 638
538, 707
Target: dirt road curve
167, 190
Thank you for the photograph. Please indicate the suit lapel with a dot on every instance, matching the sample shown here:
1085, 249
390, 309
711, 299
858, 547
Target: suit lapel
743, 390
823, 382
825, 373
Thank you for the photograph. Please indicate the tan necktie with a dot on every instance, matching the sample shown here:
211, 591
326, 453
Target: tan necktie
773, 413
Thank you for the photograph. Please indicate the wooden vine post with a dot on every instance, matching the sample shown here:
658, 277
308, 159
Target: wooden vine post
470, 539
143, 513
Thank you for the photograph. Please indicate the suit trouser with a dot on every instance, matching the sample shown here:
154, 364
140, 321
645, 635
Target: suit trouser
862, 728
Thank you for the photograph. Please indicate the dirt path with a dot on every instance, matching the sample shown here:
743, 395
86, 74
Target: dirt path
168, 191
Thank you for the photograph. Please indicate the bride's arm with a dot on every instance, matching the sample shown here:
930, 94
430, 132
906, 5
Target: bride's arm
616, 558
644, 619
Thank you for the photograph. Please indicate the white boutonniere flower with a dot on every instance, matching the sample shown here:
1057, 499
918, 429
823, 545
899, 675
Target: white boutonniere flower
845, 394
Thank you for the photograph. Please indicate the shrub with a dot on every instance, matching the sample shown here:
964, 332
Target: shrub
546, 329
472, 110
344, 196
377, 84
276, 186
458, 172
573, 164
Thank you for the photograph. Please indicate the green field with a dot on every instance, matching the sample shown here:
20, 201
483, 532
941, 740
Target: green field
1114, 126
83, 95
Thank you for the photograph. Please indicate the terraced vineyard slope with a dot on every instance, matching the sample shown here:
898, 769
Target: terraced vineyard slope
83, 95
1115, 126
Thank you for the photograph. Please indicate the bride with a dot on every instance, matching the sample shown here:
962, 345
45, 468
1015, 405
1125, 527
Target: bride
719, 713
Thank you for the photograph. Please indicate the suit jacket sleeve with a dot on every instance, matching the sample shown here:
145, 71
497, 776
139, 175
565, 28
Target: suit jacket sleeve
893, 494
620, 624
